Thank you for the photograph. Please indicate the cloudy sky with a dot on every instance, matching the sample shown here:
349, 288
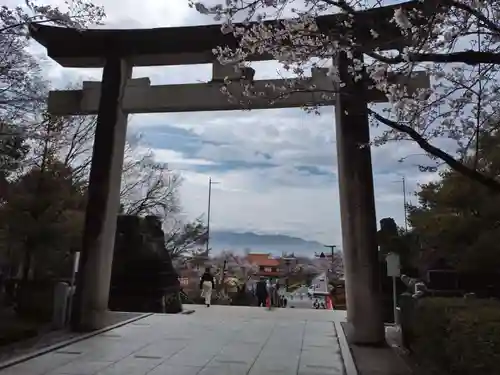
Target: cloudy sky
276, 169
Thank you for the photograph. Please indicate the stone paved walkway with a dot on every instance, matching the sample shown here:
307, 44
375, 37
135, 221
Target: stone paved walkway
220, 340
50, 337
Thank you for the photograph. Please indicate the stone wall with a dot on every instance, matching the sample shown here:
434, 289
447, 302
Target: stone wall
143, 277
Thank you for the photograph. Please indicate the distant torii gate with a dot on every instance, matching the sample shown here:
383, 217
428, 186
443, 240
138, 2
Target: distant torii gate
118, 51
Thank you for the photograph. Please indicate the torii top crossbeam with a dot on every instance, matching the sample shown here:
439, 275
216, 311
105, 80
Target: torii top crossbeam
194, 44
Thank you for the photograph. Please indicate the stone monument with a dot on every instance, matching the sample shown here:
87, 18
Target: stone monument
143, 278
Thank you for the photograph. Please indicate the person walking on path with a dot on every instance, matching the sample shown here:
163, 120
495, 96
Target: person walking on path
261, 293
207, 284
277, 297
270, 293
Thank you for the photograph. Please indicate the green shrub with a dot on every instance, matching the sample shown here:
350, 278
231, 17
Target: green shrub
457, 336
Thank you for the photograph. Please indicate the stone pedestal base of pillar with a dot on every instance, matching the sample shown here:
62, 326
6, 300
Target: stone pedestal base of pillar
93, 321
353, 338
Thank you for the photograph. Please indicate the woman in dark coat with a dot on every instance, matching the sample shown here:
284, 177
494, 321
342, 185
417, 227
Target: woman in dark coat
261, 292
207, 284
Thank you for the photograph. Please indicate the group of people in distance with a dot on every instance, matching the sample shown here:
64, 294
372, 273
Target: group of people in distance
266, 292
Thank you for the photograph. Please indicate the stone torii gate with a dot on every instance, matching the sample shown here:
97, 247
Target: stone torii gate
118, 51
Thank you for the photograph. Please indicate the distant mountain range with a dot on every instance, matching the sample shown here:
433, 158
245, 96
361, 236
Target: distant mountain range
265, 243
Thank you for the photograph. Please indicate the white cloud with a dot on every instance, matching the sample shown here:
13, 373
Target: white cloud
250, 201
176, 159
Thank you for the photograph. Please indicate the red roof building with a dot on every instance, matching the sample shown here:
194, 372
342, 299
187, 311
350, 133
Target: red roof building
267, 265
189, 279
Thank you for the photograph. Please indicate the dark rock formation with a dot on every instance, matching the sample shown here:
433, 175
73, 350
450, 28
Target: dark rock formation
143, 277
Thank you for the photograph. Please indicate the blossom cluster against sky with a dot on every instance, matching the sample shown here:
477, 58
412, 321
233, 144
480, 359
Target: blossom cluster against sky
276, 169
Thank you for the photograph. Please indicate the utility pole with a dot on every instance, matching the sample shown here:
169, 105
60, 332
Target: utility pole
210, 183
403, 184
288, 261
223, 277
404, 203
332, 248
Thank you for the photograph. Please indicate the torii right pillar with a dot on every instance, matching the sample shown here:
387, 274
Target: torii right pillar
357, 209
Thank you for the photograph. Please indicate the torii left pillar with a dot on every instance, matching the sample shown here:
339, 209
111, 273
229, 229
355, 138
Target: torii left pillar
94, 273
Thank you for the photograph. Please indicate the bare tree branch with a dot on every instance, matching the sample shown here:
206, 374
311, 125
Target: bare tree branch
456, 165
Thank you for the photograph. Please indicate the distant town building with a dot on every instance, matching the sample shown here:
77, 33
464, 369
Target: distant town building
266, 264
189, 279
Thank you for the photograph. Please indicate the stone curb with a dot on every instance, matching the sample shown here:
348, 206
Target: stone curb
51, 348
345, 350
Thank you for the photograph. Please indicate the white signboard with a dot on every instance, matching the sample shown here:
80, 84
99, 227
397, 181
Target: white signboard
393, 265
76, 261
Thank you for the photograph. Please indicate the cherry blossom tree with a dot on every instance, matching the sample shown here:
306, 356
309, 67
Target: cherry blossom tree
75, 14
230, 263
311, 268
456, 42
227, 263
241, 267
23, 87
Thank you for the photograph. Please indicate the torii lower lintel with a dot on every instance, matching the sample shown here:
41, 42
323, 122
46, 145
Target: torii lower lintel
140, 97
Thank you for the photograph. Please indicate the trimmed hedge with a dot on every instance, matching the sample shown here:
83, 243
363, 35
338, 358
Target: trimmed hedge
456, 336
